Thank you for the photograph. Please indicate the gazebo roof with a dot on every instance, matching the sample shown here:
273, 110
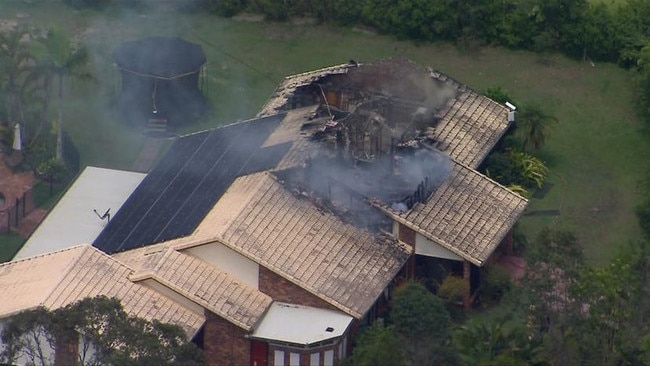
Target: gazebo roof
159, 57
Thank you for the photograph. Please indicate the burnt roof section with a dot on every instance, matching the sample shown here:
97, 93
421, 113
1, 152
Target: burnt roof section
177, 194
159, 57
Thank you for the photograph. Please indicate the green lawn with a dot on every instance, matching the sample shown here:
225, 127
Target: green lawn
9, 246
596, 152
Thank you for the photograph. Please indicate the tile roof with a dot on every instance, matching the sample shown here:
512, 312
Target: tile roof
346, 266
469, 214
289, 84
471, 124
205, 285
61, 278
291, 130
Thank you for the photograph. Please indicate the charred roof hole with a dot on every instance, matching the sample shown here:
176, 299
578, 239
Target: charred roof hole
329, 329
377, 137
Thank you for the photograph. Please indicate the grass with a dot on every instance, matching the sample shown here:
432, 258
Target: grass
10, 246
596, 151
45, 196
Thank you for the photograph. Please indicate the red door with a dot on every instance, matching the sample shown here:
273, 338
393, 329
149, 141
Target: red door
259, 353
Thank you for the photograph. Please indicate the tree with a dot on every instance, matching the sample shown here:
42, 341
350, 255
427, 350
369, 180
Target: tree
616, 303
378, 345
26, 336
51, 171
533, 125
516, 168
56, 52
500, 341
417, 334
643, 83
587, 314
422, 322
14, 62
107, 336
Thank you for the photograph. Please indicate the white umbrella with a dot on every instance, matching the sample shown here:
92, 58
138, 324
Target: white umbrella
18, 144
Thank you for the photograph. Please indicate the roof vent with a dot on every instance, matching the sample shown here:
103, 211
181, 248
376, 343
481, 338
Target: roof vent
329, 329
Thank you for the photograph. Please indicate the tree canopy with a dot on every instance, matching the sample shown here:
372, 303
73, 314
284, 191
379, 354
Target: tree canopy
107, 336
417, 332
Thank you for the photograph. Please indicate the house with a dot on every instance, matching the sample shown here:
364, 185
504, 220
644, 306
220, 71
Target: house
286, 233
62, 277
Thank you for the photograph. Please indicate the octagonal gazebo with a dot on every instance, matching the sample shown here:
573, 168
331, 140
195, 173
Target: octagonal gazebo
160, 81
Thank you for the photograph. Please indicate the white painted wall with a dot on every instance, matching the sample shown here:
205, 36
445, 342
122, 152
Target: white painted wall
229, 261
46, 353
24, 359
426, 247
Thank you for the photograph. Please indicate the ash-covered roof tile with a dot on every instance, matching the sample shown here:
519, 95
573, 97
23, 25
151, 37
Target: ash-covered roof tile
470, 128
342, 264
469, 214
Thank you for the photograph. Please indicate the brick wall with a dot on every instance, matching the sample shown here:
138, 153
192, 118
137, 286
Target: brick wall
224, 343
285, 291
407, 235
66, 350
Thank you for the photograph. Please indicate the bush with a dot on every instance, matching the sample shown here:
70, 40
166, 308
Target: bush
498, 95
453, 289
643, 214
495, 283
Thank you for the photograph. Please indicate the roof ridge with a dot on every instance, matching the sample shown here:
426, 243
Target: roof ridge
382, 206
41, 255
153, 274
317, 71
70, 266
485, 177
161, 260
233, 124
278, 271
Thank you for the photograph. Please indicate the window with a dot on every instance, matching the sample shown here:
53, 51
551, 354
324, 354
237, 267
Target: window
314, 359
329, 358
294, 359
278, 358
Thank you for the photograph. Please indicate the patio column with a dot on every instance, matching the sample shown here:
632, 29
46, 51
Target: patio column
467, 274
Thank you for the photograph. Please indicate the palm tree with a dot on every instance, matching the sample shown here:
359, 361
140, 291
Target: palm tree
14, 62
56, 52
532, 125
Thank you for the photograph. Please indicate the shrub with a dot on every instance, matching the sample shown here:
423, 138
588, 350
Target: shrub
495, 283
453, 289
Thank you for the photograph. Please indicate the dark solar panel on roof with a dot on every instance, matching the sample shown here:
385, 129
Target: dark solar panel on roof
177, 194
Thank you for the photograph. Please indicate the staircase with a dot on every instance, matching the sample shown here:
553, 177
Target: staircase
156, 127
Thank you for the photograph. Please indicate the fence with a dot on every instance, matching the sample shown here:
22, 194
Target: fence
14, 212
70, 155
